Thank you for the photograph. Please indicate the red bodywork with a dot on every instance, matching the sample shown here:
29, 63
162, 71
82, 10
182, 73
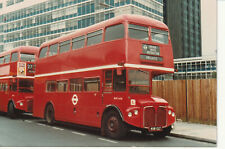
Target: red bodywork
11, 73
92, 62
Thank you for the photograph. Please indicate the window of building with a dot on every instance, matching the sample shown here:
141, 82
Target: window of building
64, 46
50, 86
7, 58
159, 36
76, 85
138, 32
62, 86
43, 52
92, 84
53, 50
78, 42
27, 57
94, 37
14, 57
114, 32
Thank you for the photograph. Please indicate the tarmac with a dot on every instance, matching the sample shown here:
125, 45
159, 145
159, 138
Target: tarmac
194, 131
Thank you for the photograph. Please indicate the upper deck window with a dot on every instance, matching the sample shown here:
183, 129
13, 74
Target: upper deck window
78, 42
114, 32
159, 36
53, 50
64, 46
14, 57
138, 32
94, 37
7, 58
43, 52
27, 57
1, 60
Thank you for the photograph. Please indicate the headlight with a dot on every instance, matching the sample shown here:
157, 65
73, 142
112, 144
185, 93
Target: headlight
169, 112
135, 112
21, 104
173, 114
129, 114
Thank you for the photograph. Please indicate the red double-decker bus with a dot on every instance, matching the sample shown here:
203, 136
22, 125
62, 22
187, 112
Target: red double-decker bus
17, 70
101, 76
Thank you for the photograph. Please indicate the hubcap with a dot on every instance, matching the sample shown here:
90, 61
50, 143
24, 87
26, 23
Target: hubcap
113, 124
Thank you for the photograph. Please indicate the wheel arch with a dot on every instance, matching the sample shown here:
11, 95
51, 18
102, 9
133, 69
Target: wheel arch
111, 108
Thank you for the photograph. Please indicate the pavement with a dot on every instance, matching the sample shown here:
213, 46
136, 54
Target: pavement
194, 131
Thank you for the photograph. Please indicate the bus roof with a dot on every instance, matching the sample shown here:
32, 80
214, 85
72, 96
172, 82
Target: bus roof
26, 49
144, 20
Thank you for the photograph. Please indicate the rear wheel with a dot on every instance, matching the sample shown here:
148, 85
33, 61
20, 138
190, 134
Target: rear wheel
11, 110
166, 132
50, 114
114, 127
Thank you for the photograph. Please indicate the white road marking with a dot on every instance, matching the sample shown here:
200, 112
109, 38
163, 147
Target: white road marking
41, 124
78, 133
28, 121
107, 140
57, 128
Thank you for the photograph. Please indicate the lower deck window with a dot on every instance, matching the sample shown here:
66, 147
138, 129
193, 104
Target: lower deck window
92, 84
50, 86
62, 86
76, 85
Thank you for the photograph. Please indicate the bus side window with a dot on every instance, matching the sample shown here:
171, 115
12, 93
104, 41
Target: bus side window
1, 60
94, 37
62, 86
76, 85
53, 50
14, 57
50, 86
13, 85
78, 42
64, 46
114, 32
119, 81
43, 52
92, 84
7, 58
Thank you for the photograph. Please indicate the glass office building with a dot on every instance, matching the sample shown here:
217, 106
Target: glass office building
183, 18
47, 19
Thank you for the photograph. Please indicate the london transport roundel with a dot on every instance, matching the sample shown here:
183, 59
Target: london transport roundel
74, 99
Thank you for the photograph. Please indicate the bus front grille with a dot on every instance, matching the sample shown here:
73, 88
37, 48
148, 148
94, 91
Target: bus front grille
154, 117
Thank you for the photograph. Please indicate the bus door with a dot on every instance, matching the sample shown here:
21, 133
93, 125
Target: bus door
114, 87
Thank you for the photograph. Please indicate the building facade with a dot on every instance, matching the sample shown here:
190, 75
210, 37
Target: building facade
193, 34
23, 22
183, 18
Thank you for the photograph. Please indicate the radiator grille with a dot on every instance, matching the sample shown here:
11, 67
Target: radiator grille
154, 117
161, 116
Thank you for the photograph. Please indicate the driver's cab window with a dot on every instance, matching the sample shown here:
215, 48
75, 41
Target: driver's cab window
119, 80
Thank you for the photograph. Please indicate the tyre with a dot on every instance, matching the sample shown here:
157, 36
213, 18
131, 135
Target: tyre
114, 127
166, 132
50, 114
11, 110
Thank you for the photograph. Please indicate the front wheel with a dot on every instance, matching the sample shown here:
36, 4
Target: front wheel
50, 114
166, 132
114, 127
